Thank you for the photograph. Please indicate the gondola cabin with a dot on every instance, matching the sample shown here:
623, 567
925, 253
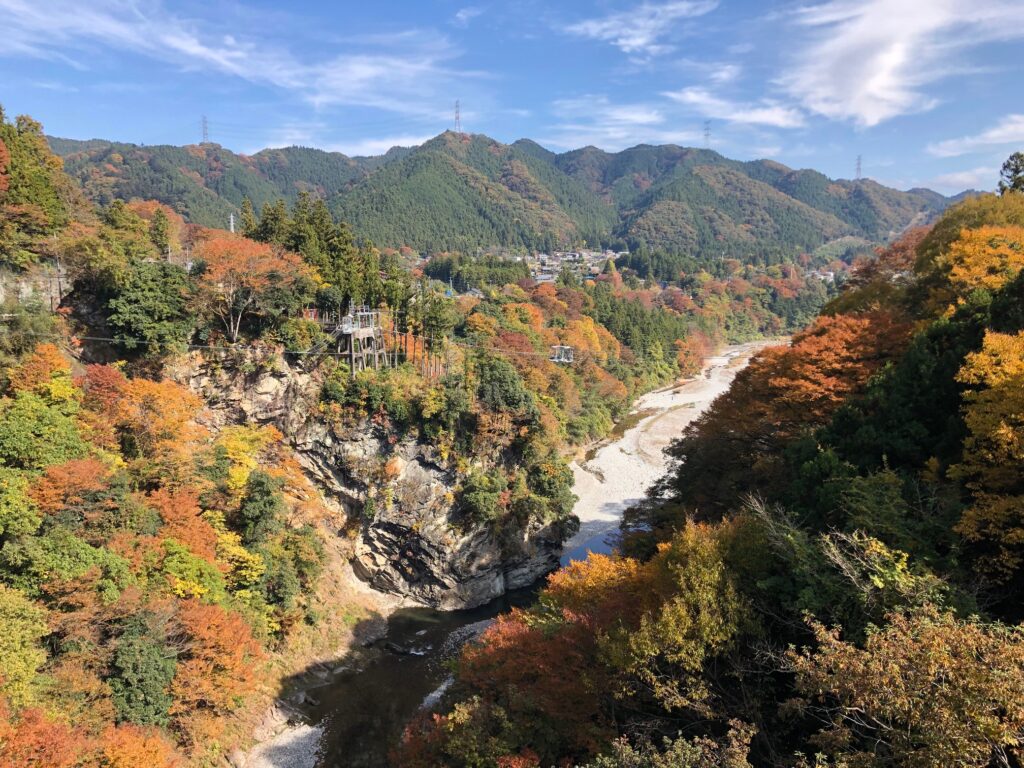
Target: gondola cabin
562, 354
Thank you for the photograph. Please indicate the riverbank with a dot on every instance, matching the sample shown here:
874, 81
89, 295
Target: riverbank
616, 473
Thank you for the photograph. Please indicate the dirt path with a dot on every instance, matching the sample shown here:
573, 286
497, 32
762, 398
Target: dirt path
618, 473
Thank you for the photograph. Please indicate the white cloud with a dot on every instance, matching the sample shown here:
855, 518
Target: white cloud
317, 133
639, 30
717, 72
869, 60
725, 73
1009, 131
363, 147
409, 78
764, 113
973, 178
767, 151
594, 120
465, 15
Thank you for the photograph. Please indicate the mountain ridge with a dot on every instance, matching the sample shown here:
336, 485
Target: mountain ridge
468, 191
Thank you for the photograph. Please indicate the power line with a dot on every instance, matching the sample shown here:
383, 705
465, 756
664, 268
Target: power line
126, 342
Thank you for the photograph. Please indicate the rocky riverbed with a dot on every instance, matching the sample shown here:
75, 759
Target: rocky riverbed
617, 472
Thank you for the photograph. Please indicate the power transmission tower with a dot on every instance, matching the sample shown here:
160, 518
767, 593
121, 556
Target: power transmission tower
206, 130
458, 118
858, 167
707, 134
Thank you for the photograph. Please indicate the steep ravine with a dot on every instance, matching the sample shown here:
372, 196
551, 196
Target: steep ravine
360, 712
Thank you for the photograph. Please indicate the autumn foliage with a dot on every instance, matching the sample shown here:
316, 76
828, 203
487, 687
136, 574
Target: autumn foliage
238, 271
120, 551
855, 497
993, 461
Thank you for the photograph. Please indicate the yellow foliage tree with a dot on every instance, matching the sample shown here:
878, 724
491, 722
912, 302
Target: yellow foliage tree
993, 463
986, 257
700, 617
243, 445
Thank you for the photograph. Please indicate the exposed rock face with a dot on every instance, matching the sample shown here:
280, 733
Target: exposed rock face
411, 540
42, 282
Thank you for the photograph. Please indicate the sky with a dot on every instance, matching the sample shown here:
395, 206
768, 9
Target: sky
927, 92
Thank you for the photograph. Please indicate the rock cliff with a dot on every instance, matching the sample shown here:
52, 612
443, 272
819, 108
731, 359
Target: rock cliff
397, 492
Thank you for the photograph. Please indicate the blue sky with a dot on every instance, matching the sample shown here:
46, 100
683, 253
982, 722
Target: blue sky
929, 92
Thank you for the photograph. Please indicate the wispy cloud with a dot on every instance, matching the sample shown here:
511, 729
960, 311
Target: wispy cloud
465, 15
868, 61
640, 30
982, 177
725, 73
717, 72
595, 120
1008, 131
407, 79
50, 85
763, 113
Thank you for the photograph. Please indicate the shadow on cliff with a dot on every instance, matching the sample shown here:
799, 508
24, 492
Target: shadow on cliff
364, 698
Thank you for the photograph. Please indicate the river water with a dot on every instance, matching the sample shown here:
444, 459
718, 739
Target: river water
360, 714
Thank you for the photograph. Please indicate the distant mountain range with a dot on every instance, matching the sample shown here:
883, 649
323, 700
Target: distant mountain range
462, 192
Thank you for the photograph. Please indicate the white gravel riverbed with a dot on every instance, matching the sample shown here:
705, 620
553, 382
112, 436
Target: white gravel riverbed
298, 746
618, 474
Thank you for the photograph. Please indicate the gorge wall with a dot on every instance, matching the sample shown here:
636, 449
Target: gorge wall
398, 493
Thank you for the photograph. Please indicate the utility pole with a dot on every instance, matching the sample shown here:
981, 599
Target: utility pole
458, 118
206, 130
858, 167
707, 134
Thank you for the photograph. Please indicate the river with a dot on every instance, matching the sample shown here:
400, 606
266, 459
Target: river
361, 713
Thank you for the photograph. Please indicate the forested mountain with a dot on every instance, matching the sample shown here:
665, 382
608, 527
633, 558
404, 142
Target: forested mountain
460, 192
205, 182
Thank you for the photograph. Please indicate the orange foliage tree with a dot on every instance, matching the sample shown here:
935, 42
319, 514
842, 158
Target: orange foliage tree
129, 746
238, 271
735, 446
103, 387
33, 740
691, 351
66, 485
183, 521
158, 418
38, 370
217, 667
926, 689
